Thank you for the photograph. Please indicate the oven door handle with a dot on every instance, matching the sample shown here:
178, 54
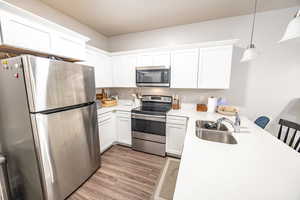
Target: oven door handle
159, 118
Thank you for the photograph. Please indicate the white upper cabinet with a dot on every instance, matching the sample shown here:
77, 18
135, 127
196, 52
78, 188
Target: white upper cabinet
68, 46
21, 33
124, 70
184, 68
24, 32
154, 59
215, 67
102, 64
103, 71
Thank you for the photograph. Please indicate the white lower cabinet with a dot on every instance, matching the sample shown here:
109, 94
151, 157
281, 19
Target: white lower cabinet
175, 134
107, 133
123, 126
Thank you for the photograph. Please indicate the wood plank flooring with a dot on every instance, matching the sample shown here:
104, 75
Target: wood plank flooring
124, 175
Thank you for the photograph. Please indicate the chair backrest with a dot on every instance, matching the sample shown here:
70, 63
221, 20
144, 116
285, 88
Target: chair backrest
296, 135
262, 121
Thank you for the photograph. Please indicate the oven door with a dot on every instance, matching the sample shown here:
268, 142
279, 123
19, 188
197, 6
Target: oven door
149, 124
153, 76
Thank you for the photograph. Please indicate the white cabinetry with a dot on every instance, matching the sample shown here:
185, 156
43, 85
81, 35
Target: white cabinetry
102, 64
21, 33
154, 59
124, 70
184, 68
215, 67
123, 125
68, 46
175, 134
107, 133
24, 32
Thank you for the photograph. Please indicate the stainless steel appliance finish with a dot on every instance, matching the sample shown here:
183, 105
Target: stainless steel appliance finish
48, 123
149, 124
54, 84
157, 118
149, 147
153, 76
218, 133
4, 190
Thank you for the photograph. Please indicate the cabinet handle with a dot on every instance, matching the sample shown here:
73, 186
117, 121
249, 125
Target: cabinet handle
101, 122
174, 126
124, 119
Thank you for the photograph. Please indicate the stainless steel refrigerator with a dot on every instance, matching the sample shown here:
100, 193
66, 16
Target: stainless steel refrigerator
48, 126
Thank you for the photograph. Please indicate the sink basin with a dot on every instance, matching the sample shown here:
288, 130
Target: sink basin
221, 135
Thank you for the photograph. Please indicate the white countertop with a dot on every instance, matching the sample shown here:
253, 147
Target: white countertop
122, 106
259, 167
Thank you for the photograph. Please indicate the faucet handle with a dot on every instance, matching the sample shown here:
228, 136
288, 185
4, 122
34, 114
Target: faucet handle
237, 119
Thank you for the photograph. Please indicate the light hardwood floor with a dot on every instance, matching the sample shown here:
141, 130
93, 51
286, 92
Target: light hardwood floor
124, 175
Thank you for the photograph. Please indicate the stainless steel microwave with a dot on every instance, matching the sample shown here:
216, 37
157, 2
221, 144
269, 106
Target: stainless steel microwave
153, 76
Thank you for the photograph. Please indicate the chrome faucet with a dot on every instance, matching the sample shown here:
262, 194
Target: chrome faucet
235, 125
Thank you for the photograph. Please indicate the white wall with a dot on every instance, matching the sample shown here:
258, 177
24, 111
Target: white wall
265, 86
42, 10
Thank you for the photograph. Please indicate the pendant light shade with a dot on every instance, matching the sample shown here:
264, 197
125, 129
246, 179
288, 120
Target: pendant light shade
293, 29
250, 53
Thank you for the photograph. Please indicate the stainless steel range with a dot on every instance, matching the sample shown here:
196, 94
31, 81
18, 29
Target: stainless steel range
149, 124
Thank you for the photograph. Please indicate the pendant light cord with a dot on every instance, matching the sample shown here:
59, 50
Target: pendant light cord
253, 24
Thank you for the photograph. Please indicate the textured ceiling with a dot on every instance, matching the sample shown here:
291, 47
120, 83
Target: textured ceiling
116, 17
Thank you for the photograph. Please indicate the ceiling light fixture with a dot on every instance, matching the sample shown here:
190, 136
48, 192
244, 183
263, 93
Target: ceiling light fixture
251, 51
293, 28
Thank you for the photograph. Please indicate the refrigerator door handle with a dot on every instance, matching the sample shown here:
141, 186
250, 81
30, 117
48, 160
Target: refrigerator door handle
44, 144
4, 188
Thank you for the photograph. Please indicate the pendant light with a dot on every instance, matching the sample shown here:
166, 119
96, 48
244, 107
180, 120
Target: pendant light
293, 29
251, 51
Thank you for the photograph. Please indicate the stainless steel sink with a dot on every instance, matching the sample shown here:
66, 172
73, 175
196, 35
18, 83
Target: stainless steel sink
205, 131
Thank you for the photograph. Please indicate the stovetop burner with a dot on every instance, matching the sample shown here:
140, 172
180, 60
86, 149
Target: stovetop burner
151, 110
154, 105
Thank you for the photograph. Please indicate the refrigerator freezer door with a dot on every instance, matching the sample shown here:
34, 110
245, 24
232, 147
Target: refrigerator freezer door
55, 84
68, 148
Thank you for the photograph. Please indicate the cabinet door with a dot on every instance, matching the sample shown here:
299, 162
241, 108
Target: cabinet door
124, 71
24, 34
215, 67
184, 68
162, 59
89, 58
145, 60
107, 134
103, 71
124, 130
154, 59
68, 46
175, 135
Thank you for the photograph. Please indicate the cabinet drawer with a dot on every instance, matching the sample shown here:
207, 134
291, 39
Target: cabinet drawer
105, 117
123, 114
176, 120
